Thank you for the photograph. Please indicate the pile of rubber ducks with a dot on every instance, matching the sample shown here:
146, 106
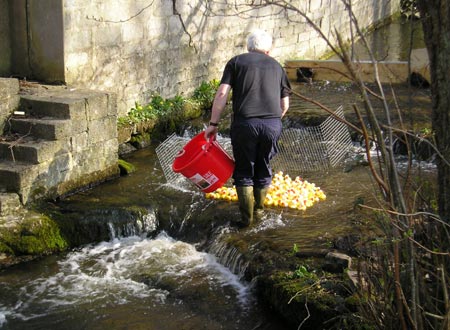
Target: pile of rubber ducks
283, 192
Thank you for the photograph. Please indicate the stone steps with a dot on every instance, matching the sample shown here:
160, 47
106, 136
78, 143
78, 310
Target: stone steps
35, 139
46, 129
14, 175
31, 150
52, 107
57, 141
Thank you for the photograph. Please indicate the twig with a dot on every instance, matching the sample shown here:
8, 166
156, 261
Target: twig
16, 142
434, 216
307, 316
369, 158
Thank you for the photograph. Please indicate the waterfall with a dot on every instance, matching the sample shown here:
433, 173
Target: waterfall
227, 255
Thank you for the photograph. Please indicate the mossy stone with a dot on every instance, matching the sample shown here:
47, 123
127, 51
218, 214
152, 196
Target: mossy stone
125, 167
36, 234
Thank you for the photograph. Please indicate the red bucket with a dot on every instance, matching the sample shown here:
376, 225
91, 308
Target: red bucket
204, 163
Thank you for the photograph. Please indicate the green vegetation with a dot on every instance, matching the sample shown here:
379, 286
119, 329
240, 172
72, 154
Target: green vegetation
295, 249
159, 108
302, 272
204, 94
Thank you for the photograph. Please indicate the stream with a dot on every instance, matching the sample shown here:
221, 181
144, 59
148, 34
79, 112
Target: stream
170, 268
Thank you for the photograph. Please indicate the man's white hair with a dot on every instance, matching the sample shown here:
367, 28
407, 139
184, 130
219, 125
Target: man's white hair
259, 40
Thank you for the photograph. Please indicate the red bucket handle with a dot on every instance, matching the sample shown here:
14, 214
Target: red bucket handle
180, 153
211, 139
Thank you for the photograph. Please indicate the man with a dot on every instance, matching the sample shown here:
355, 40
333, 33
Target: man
260, 98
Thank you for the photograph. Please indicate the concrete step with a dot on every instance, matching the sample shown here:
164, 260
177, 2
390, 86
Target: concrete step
15, 175
51, 106
32, 151
47, 129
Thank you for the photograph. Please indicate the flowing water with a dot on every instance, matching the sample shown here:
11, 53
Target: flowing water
149, 276
128, 283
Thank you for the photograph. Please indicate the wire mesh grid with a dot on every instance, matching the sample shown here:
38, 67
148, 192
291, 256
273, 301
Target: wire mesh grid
166, 153
312, 149
300, 150
336, 137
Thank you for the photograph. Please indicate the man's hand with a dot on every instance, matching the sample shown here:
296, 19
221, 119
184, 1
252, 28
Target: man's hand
210, 131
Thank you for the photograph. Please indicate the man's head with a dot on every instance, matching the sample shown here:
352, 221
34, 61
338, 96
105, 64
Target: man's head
259, 41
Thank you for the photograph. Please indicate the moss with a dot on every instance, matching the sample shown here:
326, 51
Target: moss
35, 235
125, 167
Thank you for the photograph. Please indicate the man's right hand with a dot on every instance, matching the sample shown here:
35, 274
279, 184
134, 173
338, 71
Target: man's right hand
210, 131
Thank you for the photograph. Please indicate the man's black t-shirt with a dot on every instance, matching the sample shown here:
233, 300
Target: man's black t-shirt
258, 82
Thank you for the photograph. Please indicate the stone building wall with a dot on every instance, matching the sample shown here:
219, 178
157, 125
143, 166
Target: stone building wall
139, 47
5, 49
9, 99
136, 48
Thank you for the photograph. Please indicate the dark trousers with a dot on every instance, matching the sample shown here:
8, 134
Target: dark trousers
254, 142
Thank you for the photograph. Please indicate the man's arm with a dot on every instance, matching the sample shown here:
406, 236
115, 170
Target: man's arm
220, 101
284, 104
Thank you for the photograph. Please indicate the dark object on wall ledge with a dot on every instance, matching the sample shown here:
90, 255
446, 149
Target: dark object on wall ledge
417, 80
305, 75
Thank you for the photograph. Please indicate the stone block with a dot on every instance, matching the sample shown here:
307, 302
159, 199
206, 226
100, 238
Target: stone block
54, 105
9, 99
9, 203
102, 129
79, 142
42, 129
97, 106
14, 175
79, 127
60, 168
33, 152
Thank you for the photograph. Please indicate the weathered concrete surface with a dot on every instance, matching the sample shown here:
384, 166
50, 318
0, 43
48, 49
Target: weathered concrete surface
9, 99
5, 52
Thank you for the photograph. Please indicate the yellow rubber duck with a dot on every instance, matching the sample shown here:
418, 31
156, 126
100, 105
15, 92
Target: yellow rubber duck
283, 192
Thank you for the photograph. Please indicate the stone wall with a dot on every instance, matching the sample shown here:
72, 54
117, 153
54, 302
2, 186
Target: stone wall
135, 48
9, 99
5, 49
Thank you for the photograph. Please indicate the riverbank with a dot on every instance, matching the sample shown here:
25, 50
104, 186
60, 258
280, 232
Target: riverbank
301, 262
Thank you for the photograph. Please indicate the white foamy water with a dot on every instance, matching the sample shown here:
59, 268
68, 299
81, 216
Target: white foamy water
123, 271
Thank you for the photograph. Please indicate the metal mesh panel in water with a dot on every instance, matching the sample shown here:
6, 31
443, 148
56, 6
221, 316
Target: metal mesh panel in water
315, 148
301, 150
166, 153
336, 137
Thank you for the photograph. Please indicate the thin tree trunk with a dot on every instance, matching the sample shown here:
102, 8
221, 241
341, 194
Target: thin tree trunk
436, 26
